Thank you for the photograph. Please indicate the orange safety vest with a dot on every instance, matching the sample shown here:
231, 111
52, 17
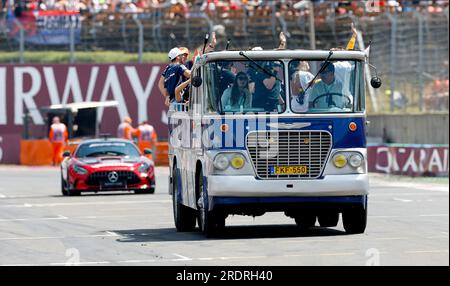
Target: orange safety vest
125, 130
58, 133
146, 135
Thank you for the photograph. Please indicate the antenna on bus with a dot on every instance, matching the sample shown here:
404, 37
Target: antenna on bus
205, 43
228, 44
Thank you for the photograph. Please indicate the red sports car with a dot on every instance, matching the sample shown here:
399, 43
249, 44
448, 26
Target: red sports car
107, 165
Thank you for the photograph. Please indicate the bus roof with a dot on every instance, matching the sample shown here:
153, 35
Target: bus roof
284, 54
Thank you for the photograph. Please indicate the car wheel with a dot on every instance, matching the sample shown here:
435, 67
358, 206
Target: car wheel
64, 187
305, 221
184, 217
207, 222
73, 193
148, 191
328, 219
355, 220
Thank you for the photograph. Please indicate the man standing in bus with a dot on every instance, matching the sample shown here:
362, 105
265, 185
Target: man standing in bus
125, 130
58, 136
146, 136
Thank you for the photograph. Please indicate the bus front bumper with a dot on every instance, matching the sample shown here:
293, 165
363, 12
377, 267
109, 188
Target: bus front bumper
249, 186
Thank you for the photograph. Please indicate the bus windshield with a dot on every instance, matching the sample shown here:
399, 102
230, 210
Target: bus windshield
338, 88
245, 86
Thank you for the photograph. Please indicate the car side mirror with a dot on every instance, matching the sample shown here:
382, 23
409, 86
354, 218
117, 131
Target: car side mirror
197, 81
66, 154
376, 82
148, 151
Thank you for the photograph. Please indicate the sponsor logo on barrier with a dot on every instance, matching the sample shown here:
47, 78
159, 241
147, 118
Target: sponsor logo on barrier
411, 161
31, 87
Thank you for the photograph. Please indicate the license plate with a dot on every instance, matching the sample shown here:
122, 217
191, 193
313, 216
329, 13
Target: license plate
290, 170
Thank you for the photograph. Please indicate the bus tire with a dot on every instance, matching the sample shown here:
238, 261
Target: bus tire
328, 219
355, 220
184, 217
206, 219
305, 221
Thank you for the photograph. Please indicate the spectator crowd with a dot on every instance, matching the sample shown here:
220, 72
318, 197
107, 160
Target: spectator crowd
224, 7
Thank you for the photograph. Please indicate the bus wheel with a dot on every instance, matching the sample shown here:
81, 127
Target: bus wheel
305, 221
355, 220
184, 217
206, 219
328, 219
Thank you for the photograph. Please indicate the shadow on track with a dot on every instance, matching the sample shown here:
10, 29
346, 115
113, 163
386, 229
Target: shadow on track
230, 232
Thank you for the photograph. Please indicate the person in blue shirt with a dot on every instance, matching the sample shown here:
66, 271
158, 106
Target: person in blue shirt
173, 74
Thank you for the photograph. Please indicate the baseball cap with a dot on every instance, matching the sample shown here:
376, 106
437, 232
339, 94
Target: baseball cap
328, 68
175, 52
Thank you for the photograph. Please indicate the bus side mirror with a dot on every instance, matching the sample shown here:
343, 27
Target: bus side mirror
148, 151
197, 81
376, 82
66, 154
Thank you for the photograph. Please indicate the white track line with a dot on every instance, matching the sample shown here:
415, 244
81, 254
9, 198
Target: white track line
28, 205
181, 258
60, 217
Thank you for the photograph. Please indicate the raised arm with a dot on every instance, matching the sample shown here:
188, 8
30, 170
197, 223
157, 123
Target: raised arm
180, 89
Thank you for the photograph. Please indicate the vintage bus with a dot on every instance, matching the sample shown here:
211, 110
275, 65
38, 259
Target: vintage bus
271, 131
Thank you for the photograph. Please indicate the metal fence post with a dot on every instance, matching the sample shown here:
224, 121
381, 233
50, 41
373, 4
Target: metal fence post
71, 42
393, 19
140, 38
420, 65
21, 40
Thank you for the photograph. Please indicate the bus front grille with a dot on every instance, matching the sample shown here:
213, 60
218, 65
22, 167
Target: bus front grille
307, 150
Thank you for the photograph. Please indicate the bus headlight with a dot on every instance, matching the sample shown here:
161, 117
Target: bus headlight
221, 162
238, 161
355, 160
340, 160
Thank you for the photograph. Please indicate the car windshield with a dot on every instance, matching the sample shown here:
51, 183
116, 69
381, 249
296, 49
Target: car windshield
245, 86
338, 87
121, 149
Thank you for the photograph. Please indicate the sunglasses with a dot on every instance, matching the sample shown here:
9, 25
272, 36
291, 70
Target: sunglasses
242, 78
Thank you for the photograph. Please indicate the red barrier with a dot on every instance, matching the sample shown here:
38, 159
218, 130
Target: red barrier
410, 160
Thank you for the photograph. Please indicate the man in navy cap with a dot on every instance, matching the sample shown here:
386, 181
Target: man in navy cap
328, 90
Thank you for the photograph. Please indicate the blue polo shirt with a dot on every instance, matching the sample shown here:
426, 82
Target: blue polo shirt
172, 78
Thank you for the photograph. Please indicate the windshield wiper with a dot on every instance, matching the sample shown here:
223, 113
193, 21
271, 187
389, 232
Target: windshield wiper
322, 68
259, 66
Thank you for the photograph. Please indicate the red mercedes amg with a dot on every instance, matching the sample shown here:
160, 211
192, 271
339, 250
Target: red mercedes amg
108, 164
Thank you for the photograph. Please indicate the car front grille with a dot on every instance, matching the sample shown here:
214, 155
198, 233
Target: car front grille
97, 178
289, 148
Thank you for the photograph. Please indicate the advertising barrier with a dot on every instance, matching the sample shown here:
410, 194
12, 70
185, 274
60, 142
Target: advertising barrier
31, 87
411, 160
47, 27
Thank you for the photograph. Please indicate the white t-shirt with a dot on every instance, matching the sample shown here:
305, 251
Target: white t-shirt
305, 78
343, 73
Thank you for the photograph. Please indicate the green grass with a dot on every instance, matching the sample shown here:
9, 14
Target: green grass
82, 57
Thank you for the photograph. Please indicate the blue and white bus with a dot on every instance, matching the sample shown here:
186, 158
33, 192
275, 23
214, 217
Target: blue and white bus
271, 131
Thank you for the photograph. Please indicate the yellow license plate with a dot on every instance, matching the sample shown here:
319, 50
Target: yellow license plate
290, 170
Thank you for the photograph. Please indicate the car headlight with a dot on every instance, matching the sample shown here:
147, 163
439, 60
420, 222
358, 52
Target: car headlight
355, 160
340, 160
79, 170
221, 162
237, 162
144, 168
